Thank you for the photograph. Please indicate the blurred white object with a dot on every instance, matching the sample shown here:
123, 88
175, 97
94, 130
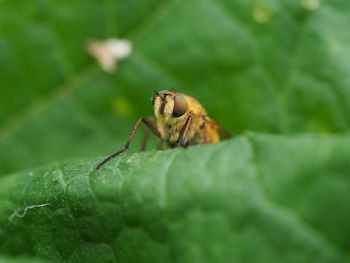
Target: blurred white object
261, 14
310, 4
109, 52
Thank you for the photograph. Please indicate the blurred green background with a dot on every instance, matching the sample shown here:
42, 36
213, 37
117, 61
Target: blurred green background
274, 67
271, 66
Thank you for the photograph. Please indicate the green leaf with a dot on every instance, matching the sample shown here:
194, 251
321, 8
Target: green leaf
256, 198
269, 66
19, 260
277, 67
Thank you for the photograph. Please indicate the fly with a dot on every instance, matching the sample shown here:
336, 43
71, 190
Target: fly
180, 121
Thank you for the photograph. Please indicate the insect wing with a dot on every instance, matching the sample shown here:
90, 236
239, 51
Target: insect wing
222, 132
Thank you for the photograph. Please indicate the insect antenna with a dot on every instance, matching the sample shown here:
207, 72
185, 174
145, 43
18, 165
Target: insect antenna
155, 92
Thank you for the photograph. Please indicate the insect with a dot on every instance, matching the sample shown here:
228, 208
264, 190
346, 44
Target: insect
180, 121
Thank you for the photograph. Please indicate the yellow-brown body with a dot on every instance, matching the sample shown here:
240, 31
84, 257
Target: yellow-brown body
181, 121
202, 129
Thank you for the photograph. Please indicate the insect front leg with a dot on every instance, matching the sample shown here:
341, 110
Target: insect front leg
184, 131
151, 126
144, 139
205, 133
148, 122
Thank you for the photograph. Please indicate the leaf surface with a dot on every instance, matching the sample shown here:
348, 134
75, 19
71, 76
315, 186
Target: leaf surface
256, 198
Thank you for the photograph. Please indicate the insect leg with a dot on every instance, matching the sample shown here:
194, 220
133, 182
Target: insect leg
205, 133
184, 131
151, 125
148, 123
144, 139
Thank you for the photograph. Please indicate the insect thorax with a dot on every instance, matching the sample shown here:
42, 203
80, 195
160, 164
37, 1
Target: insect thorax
171, 130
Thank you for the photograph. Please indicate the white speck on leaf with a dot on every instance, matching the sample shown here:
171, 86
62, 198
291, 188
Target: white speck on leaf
30, 174
21, 212
109, 52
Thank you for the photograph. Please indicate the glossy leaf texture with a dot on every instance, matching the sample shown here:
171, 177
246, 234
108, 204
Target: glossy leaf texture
277, 68
256, 198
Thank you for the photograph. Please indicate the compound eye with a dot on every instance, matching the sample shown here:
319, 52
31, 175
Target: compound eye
180, 106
